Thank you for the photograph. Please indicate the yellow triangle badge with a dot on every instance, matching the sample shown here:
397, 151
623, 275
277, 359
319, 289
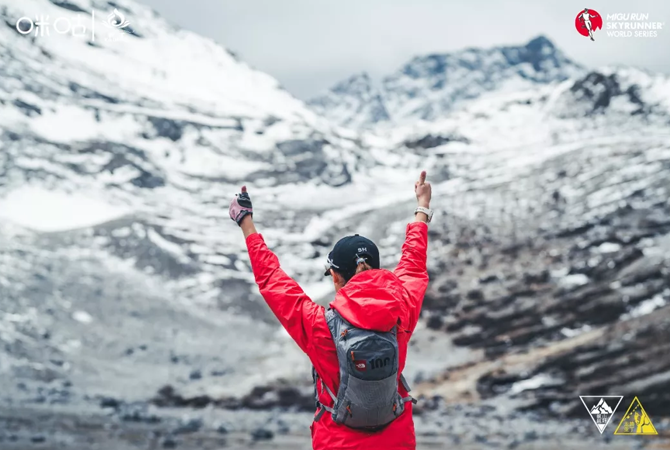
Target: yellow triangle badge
635, 421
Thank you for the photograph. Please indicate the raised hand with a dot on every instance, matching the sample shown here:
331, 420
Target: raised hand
423, 191
240, 206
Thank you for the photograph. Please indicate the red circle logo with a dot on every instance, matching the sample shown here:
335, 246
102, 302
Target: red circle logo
588, 21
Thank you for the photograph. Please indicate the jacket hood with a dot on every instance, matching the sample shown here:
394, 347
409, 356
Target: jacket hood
372, 300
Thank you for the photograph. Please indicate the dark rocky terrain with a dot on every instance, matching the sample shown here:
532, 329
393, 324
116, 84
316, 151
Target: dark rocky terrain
578, 302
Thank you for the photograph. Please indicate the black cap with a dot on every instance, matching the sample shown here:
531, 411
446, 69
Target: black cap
346, 253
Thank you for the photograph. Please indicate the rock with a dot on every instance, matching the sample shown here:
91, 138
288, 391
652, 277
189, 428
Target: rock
168, 397
279, 395
435, 322
136, 412
488, 279
530, 436
27, 108
38, 439
282, 427
189, 426
169, 442
260, 434
109, 402
430, 141
475, 294
221, 429
168, 128
195, 375
441, 301
537, 277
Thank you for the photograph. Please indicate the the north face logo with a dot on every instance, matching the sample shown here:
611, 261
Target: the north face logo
360, 365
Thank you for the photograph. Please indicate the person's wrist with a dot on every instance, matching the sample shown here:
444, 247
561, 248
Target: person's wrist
424, 204
246, 221
422, 217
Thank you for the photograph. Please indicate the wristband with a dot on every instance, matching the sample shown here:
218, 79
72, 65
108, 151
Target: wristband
427, 211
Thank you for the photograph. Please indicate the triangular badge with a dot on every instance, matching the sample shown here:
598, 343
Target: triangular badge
635, 421
601, 408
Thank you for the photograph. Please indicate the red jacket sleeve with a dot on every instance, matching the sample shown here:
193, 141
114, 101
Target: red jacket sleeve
412, 269
294, 309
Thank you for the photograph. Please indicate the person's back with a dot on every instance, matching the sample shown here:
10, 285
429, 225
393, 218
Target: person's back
367, 298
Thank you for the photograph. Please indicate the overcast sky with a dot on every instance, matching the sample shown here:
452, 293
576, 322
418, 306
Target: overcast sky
311, 44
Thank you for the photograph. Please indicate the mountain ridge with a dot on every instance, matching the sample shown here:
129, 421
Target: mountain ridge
428, 87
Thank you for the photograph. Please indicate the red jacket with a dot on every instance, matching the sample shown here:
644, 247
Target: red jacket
375, 300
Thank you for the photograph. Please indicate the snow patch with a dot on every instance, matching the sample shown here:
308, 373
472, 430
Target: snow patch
646, 307
82, 316
164, 244
532, 383
575, 280
572, 332
609, 247
48, 211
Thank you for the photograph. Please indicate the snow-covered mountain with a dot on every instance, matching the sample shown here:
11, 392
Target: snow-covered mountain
118, 159
121, 272
355, 102
126, 153
429, 87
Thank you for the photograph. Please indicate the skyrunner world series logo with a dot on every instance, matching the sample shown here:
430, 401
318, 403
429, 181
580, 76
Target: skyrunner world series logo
587, 22
619, 25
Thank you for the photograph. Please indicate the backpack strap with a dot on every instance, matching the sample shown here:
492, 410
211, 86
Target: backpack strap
409, 398
322, 408
329, 391
404, 383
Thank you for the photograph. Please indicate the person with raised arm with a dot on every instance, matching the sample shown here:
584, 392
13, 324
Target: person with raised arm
358, 344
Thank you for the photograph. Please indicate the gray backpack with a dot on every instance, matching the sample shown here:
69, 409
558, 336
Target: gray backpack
368, 396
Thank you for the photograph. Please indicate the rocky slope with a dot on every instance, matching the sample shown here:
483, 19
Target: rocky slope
555, 260
118, 159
